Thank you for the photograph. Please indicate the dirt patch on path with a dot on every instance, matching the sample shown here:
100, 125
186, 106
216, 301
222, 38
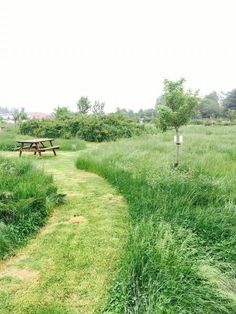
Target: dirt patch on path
22, 274
77, 219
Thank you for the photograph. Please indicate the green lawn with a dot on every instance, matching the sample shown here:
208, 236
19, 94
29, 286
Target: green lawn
68, 267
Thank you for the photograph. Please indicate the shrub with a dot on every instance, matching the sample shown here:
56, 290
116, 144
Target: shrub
92, 128
43, 128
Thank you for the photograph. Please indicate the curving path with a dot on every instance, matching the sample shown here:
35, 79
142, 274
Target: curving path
69, 265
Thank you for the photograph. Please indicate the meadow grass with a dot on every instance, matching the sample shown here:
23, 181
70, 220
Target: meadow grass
26, 198
8, 138
73, 145
180, 256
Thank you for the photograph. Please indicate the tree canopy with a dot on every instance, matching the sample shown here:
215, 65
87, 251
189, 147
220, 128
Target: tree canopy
83, 105
98, 107
229, 102
61, 113
209, 107
177, 105
18, 115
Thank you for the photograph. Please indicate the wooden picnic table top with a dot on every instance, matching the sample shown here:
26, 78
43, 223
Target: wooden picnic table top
36, 140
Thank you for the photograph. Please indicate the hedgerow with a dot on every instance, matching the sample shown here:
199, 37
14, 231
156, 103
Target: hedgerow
92, 128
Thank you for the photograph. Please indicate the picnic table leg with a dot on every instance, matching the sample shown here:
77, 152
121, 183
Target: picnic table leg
38, 150
21, 149
54, 152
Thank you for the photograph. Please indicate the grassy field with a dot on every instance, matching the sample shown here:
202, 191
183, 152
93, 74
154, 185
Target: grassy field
180, 256
173, 253
69, 265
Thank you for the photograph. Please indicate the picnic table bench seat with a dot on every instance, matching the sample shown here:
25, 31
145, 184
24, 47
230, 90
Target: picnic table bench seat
25, 148
43, 149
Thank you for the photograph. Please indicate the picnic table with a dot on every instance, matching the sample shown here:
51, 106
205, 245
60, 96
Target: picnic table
36, 145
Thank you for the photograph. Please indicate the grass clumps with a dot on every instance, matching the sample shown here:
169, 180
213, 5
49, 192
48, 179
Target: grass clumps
182, 221
8, 138
26, 198
73, 145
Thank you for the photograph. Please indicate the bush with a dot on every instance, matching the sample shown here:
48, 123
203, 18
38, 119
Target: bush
107, 128
44, 128
92, 128
26, 198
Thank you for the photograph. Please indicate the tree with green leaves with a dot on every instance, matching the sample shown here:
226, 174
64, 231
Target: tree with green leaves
18, 115
84, 105
62, 113
232, 116
176, 108
209, 107
229, 102
98, 107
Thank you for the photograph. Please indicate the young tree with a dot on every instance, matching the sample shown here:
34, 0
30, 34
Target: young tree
61, 113
84, 105
18, 115
98, 107
176, 108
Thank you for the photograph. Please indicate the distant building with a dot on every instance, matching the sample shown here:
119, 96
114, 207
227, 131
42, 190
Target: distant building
7, 117
38, 115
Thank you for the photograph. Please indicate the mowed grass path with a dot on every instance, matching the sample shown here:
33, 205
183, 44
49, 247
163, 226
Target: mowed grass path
69, 265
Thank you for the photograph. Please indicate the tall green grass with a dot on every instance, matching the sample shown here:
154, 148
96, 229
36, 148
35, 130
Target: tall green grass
26, 198
182, 221
74, 144
8, 138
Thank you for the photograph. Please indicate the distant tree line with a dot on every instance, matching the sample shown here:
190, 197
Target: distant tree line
214, 106
143, 115
16, 113
211, 107
4, 110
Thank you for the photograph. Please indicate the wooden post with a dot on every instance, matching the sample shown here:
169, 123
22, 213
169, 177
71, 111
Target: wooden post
21, 149
54, 152
38, 149
177, 147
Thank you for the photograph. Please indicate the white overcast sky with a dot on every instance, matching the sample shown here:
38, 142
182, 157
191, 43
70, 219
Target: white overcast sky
53, 52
